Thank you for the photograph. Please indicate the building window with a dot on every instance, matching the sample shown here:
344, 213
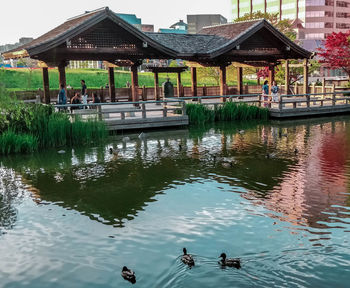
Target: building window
315, 13
314, 36
314, 25
343, 15
328, 14
342, 4
343, 26
329, 3
315, 2
328, 25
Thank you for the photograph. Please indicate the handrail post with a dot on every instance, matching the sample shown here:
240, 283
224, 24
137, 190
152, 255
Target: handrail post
200, 100
143, 107
308, 100
183, 108
280, 103
165, 110
333, 98
99, 112
259, 99
122, 115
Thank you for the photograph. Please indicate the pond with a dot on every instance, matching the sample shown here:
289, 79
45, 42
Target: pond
276, 195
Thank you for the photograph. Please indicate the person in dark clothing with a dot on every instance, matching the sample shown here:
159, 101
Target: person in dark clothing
83, 88
75, 100
95, 98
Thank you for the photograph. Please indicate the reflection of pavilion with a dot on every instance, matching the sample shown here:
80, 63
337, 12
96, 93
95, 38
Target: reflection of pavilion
110, 190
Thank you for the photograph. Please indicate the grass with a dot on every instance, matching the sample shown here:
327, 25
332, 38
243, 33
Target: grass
31, 79
229, 111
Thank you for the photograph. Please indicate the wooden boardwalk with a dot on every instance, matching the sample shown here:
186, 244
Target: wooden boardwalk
172, 112
140, 115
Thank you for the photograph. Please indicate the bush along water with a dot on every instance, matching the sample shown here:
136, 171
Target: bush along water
27, 128
200, 114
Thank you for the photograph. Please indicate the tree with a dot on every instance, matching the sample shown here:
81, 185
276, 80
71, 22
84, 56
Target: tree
336, 51
284, 25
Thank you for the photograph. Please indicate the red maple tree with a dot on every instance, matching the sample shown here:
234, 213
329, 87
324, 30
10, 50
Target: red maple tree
336, 51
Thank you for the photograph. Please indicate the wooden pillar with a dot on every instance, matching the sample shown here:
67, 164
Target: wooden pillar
111, 83
62, 75
194, 81
271, 76
46, 85
286, 77
134, 83
306, 77
156, 85
240, 80
223, 82
179, 84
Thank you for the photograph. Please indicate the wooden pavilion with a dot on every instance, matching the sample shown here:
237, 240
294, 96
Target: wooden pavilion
102, 35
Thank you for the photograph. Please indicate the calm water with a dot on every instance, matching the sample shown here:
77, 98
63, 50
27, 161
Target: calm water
74, 219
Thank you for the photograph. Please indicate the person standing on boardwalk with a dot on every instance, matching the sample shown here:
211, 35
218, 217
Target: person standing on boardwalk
62, 99
274, 91
84, 93
265, 93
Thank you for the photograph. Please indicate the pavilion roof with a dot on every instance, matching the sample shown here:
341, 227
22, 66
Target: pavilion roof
242, 41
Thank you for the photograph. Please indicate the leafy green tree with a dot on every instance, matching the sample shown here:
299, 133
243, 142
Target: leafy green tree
284, 25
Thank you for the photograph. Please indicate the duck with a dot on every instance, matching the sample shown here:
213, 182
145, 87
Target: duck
229, 262
187, 258
113, 151
142, 135
296, 151
128, 275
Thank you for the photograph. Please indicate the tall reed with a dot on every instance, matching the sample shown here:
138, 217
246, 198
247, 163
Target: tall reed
229, 111
45, 127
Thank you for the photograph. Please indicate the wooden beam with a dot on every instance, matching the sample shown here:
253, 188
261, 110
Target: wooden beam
223, 82
194, 81
62, 75
286, 77
179, 84
240, 80
156, 85
134, 84
46, 85
111, 83
271, 76
306, 77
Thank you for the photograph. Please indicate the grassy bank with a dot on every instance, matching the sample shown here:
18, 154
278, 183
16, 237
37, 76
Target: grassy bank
229, 111
31, 79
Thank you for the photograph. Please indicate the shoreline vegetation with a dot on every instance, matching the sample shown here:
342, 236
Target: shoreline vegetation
26, 128
31, 79
200, 114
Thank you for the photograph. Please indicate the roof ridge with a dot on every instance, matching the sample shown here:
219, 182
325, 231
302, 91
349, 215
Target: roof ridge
232, 23
105, 8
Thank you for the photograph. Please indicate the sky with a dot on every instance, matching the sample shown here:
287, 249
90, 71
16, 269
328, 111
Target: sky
32, 18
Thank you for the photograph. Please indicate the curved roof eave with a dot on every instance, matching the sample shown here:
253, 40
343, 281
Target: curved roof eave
253, 29
104, 14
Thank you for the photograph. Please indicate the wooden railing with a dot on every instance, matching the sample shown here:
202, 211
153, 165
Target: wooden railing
127, 109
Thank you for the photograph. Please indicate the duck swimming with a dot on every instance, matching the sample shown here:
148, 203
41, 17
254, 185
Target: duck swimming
187, 258
128, 275
229, 262
113, 151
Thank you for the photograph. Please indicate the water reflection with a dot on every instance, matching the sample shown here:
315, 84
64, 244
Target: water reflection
11, 193
297, 170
